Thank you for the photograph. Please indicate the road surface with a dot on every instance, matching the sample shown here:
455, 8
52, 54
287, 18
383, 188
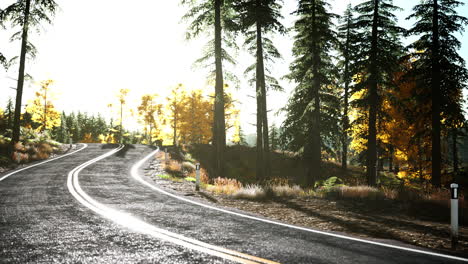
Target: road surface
95, 206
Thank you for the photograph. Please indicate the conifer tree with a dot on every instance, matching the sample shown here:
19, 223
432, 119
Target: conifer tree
25, 14
214, 16
311, 114
258, 19
438, 69
348, 48
380, 49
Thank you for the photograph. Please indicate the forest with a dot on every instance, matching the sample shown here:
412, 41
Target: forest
361, 98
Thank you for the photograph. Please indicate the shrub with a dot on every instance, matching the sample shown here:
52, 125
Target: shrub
330, 182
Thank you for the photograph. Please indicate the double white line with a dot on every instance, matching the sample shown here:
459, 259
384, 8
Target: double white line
137, 225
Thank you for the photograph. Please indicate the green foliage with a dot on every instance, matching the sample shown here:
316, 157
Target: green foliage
312, 112
329, 183
190, 179
453, 71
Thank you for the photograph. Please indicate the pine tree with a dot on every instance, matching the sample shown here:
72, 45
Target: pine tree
380, 49
258, 19
312, 115
62, 131
26, 14
438, 69
348, 49
206, 15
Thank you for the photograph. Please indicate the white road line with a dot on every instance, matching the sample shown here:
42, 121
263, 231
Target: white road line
135, 175
40, 163
137, 225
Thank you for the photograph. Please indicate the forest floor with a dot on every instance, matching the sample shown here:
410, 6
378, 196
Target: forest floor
383, 220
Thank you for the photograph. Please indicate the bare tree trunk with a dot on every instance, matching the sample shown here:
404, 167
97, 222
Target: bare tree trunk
220, 126
45, 111
19, 88
436, 128
316, 150
373, 104
344, 157
261, 90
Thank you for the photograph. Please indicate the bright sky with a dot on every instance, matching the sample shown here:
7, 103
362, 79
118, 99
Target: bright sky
94, 48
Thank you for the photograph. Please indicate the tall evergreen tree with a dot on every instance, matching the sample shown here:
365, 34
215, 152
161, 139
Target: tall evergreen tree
438, 69
348, 49
312, 111
258, 18
206, 15
25, 14
380, 49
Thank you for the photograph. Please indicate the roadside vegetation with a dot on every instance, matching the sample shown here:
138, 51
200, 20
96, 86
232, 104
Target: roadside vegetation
289, 182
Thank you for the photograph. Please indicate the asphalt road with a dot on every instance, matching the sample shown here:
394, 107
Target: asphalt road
68, 210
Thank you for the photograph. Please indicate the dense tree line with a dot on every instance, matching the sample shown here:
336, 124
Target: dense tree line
377, 102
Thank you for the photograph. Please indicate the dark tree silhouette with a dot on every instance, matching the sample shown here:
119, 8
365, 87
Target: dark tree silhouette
258, 18
439, 70
380, 46
313, 110
26, 14
348, 49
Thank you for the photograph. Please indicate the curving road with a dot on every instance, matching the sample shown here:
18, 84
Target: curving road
93, 206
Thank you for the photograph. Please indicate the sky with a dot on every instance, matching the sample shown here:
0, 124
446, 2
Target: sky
140, 45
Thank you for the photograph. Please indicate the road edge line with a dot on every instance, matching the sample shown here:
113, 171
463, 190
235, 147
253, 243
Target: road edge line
136, 176
42, 162
122, 218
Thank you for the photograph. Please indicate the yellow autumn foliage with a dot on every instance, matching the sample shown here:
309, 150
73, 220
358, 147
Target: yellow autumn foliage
42, 109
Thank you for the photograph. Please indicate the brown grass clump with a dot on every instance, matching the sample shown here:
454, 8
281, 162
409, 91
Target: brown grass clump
361, 192
188, 166
354, 192
250, 192
287, 190
225, 186
173, 166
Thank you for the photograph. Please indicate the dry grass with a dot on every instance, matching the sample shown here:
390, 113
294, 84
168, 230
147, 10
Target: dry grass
287, 190
390, 193
225, 186
353, 192
173, 166
188, 166
250, 192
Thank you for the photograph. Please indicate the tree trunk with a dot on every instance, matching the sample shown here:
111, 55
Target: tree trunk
219, 95
174, 141
344, 157
121, 122
390, 159
45, 111
373, 104
261, 86
316, 149
436, 148
19, 88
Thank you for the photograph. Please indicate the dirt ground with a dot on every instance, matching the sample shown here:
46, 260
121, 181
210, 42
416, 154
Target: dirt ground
390, 220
